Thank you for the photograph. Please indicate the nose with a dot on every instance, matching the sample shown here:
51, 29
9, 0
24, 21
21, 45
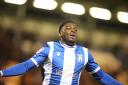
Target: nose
73, 29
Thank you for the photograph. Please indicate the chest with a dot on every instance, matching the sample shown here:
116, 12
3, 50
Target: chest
68, 59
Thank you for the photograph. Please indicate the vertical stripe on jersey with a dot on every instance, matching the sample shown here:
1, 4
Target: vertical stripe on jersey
68, 67
57, 65
79, 65
86, 55
48, 67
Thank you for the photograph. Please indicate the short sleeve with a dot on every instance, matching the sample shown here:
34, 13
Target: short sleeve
92, 66
41, 55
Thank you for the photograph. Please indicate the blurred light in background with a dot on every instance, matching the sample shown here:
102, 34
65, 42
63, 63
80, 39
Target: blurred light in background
45, 4
100, 13
18, 2
73, 8
122, 17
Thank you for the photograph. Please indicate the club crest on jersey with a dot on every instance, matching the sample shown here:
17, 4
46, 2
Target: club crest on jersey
58, 53
79, 56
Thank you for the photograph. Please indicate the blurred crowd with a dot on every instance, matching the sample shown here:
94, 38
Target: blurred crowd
112, 60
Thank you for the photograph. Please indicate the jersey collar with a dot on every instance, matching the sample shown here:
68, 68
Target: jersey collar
65, 45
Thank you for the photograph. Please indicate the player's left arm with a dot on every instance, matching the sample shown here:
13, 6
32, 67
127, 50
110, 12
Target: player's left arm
93, 68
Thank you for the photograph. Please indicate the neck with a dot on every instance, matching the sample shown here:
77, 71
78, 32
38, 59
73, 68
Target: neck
67, 43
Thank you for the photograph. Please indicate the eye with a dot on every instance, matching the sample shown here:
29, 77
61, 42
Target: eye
68, 27
76, 30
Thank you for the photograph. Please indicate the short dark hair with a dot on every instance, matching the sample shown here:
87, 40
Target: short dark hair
65, 22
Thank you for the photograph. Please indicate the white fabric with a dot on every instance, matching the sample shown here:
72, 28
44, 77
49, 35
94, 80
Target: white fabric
69, 61
34, 62
97, 69
48, 65
1, 73
86, 55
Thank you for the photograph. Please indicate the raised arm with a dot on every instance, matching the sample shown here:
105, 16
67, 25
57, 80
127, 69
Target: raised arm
93, 68
17, 69
23, 67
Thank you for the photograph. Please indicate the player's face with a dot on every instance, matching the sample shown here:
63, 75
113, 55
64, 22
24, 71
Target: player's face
69, 33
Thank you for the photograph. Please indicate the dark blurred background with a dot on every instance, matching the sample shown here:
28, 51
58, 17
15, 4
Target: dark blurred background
25, 25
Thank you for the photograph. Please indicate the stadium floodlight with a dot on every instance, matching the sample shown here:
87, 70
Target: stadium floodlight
73, 8
100, 13
18, 2
122, 17
45, 4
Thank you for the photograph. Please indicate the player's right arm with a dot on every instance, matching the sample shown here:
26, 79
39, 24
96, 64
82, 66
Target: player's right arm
23, 67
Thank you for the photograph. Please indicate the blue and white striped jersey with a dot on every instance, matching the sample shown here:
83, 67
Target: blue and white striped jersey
63, 64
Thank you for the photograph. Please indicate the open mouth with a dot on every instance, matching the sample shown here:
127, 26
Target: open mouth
73, 35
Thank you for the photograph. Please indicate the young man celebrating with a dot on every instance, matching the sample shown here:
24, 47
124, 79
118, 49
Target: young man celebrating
63, 61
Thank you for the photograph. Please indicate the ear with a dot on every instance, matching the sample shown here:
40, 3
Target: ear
59, 34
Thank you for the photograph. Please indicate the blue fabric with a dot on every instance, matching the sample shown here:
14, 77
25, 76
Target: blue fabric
42, 54
57, 64
79, 53
91, 65
57, 61
23, 67
105, 79
18, 69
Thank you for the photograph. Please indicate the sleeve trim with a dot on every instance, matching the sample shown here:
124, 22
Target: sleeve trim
1, 73
33, 60
94, 71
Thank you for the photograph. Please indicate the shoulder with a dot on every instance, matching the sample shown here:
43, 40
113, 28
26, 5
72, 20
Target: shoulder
83, 47
47, 44
51, 43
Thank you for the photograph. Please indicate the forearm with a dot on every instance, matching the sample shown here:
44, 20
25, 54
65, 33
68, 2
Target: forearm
18, 69
105, 79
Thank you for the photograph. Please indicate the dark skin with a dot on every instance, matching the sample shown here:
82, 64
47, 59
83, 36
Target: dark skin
68, 34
